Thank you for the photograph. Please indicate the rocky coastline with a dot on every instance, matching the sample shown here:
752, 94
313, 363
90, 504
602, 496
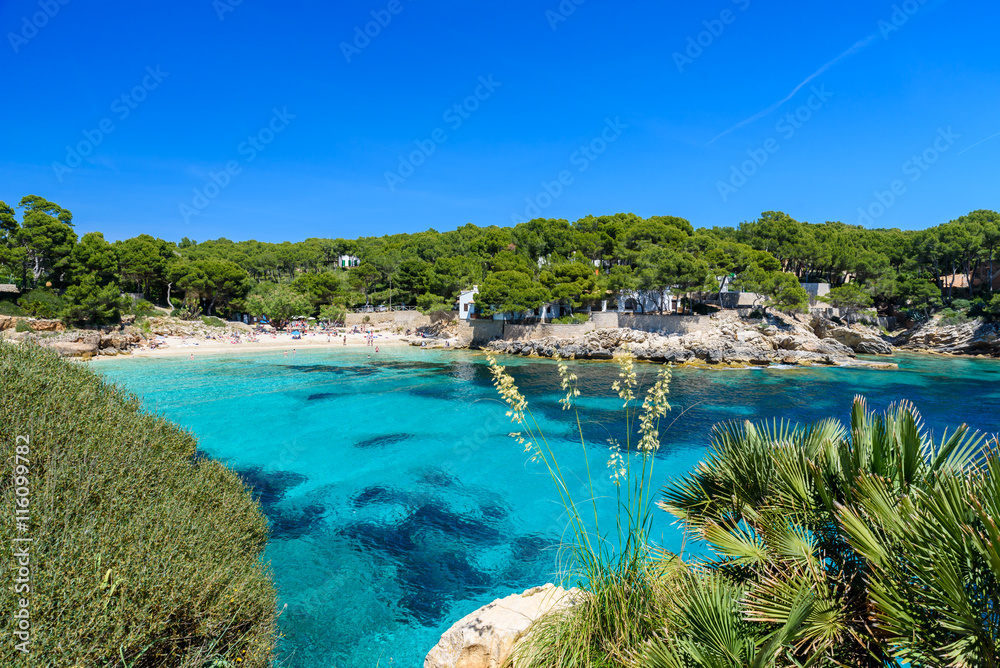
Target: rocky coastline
730, 341
107, 341
972, 338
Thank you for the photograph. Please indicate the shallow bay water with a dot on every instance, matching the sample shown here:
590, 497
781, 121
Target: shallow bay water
397, 501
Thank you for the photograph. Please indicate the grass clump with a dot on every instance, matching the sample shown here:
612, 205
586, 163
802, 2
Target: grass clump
22, 326
615, 568
143, 555
213, 321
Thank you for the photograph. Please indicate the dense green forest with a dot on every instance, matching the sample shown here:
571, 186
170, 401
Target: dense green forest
581, 263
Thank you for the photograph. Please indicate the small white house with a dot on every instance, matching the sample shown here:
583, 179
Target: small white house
467, 303
642, 301
348, 261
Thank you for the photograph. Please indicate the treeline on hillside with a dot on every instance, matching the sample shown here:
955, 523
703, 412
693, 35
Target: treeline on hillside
516, 268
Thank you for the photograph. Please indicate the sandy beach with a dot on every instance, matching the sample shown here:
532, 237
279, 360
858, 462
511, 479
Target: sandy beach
181, 346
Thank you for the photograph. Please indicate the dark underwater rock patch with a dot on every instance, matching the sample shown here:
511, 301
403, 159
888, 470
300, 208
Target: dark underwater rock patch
269, 487
366, 370
295, 522
382, 441
433, 551
288, 520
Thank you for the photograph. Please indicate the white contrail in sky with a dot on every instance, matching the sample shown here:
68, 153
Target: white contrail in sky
980, 142
756, 117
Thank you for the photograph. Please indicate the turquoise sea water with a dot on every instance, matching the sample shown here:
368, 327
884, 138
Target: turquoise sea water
398, 503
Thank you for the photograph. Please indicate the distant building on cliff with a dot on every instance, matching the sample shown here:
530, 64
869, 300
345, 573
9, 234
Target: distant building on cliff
467, 303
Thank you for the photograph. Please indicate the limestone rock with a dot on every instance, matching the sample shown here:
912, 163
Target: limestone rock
485, 638
970, 338
72, 349
36, 324
859, 340
729, 341
46, 325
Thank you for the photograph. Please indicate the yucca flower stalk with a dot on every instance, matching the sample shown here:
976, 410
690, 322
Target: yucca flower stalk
613, 569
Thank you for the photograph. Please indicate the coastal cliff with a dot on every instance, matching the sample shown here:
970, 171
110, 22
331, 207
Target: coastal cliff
728, 341
970, 338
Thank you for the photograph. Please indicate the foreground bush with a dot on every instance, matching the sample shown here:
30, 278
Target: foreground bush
866, 546
870, 545
141, 555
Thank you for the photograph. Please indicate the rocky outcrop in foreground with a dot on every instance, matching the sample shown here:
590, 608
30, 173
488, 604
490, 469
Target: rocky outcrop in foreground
485, 638
728, 341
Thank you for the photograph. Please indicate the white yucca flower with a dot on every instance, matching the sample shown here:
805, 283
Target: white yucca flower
507, 389
654, 407
616, 463
628, 382
568, 384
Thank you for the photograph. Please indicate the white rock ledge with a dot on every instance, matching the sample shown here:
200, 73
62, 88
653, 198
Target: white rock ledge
485, 638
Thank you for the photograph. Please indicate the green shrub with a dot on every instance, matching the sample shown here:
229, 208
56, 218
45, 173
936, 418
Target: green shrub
952, 317
992, 310
575, 319
42, 303
333, 313
22, 326
142, 555
10, 308
212, 321
961, 304
143, 307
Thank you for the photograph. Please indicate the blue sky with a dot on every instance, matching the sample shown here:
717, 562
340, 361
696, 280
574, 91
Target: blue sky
588, 107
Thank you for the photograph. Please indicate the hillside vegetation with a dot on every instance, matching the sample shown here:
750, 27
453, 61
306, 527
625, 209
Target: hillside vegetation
141, 554
576, 264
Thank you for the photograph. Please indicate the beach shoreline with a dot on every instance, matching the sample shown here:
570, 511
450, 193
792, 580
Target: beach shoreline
178, 346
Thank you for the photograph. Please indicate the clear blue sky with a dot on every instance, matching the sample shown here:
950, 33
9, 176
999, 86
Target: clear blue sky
887, 95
